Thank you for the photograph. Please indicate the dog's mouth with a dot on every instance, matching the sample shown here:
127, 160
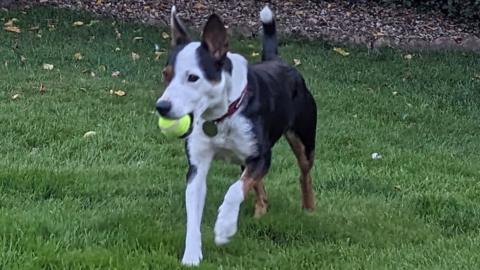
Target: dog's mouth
190, 129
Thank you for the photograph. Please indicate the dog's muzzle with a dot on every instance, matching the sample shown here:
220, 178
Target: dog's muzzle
164, 107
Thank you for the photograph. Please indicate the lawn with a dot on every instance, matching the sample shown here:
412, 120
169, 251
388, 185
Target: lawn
114, 200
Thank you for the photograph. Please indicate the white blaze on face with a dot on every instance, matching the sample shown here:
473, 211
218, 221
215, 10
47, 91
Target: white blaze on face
186, 94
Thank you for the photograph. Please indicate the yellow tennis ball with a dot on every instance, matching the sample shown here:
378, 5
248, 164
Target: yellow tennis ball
175, 127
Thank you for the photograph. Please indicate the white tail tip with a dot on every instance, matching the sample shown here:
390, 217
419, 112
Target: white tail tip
266, 15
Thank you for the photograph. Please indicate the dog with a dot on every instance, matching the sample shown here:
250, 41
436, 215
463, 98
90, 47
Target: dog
239, 112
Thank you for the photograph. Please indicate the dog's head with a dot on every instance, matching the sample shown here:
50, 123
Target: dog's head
197, 74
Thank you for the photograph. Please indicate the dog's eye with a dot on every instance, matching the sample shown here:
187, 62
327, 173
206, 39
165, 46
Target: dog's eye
193, 78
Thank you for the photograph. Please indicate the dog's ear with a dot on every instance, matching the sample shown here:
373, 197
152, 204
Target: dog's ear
215, 37
179, 32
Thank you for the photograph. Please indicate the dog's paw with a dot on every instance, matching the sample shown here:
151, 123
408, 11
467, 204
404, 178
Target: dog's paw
226, 224
192, 258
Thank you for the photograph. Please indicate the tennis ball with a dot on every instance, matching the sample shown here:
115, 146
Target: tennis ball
175, 128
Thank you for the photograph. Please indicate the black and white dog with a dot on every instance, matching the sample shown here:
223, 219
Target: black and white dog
239, 112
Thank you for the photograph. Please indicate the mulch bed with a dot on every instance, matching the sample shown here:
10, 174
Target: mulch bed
364, 23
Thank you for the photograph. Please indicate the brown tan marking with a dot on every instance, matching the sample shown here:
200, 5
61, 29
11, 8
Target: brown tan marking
167, 74
260, 194
261, 202
305, 164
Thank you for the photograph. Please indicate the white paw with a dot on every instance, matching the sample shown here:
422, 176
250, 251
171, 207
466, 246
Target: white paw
226, 224
192, 258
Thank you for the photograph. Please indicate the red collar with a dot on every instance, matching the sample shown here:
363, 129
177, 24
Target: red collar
233, 107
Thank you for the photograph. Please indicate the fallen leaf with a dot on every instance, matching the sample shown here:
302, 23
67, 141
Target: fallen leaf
137, 38
408, 56
254, 54
16, 96
394, 93
78, 23
23, 58
135, 56
297, 62
92, 74
115, 73
48, 66
102, 68
93, 22
78, 56
89, 134
341, 51
11, 22
42, 88
119, 93
118, 34
13, 29
165, 35
117, 49
158, 54
397, 187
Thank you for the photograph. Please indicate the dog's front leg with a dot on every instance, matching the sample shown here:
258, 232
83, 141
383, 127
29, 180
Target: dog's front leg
226, 224
200, 159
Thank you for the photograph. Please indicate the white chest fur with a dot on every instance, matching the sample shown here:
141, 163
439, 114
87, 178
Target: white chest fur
235, 140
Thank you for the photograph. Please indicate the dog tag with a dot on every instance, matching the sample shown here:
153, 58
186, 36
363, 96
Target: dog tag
210, 128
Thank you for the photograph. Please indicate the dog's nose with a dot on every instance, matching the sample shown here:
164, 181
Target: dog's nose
163, 107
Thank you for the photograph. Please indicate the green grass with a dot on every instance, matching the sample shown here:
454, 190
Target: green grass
115, 200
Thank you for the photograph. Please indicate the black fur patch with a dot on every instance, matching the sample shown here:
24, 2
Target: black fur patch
278, 102
192, 169
212, 70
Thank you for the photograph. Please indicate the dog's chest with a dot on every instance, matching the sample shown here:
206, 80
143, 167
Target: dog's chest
235, 140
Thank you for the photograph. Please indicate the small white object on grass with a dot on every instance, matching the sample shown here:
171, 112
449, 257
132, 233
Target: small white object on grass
89, 134
376, 156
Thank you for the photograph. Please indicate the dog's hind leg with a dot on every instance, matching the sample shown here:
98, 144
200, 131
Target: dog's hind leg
261, 202
302, 141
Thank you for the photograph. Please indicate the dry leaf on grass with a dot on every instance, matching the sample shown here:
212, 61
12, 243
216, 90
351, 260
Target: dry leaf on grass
116, 73
408, 56
255, 54
135, 56
117, 49
118, 34
158, 54
13, 29
89, 134
23, 58
78, 23
341, 51
92, 22
11, 22
297, 62
78, 56
42, 89
137, 38
118, 93
16, 96
48, 66
165, 35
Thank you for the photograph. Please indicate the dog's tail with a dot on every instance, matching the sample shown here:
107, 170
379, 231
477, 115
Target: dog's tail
270, 45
